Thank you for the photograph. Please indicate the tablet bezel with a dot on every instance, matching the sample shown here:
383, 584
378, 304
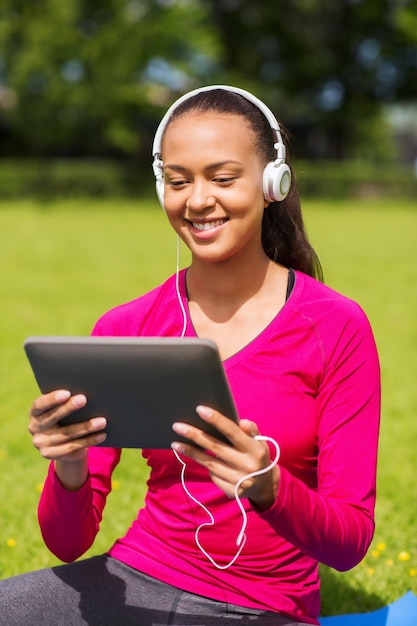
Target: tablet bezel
178, 374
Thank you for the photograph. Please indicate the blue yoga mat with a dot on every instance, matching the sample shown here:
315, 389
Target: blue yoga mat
402, 612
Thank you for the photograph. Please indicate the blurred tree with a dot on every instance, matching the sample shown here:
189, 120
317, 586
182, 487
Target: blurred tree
326, 66
92, 77
85, 76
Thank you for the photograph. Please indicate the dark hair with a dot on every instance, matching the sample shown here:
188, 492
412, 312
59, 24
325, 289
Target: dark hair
284, 237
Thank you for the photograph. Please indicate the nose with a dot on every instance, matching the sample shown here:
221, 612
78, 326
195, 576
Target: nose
200, 196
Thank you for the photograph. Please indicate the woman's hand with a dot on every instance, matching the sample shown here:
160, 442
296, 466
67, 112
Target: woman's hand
66, 445
227, 464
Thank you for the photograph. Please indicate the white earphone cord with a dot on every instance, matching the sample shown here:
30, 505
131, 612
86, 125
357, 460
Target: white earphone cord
177, 288
241, 539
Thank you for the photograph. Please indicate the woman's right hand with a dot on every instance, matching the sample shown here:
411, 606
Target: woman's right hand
66, 445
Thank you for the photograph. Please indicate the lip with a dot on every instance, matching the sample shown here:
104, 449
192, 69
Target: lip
205, 229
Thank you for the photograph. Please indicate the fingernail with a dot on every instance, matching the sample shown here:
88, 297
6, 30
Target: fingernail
62, 394
100, 438
179, 428
79, 400
204, 411
99, 423
178, 447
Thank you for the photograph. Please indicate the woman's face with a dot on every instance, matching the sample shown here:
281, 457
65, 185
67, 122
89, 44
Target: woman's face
213, 185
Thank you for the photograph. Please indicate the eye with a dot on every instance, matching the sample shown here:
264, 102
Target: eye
224, 180
176, 184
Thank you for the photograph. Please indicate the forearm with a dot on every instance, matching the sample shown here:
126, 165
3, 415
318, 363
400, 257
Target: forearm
66, 518
330, 530
69, 520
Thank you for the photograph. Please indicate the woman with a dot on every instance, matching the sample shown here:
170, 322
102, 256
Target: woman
303, 369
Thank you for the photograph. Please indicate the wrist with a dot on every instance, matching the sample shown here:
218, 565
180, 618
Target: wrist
266, 498
72, 474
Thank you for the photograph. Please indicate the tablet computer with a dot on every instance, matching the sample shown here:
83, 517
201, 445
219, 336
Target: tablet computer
142, 385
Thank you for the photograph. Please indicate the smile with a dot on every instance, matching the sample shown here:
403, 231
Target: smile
207, 225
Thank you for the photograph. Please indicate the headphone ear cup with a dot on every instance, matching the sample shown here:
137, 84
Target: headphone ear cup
276, 181
158, 170
160, 191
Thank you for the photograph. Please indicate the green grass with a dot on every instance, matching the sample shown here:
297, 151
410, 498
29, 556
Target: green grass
63, 264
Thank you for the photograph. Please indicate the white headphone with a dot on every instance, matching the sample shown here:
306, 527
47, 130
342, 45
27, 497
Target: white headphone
276, 176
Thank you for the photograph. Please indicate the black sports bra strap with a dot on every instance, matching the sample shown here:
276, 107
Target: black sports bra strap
291, 282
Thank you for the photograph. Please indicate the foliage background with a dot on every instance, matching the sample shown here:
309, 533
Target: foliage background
92, 77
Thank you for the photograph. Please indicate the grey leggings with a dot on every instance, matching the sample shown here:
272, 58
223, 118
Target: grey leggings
102, 591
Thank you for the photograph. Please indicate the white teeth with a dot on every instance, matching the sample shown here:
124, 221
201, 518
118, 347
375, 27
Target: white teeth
207, 225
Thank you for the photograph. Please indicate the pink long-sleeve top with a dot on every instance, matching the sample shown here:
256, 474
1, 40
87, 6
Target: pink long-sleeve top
311, 381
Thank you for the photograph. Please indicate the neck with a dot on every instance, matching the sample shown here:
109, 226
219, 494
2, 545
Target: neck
230, 282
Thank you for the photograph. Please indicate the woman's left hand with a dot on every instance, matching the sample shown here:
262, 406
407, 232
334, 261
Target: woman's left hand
227, 464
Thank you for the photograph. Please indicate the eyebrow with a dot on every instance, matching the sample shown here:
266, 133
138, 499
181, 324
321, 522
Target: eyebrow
212, 166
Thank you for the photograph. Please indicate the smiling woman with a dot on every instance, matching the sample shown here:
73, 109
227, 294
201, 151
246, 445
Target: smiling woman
213, 189
303, 369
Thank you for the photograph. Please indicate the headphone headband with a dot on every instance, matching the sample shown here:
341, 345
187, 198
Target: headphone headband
277, 175
273, 122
